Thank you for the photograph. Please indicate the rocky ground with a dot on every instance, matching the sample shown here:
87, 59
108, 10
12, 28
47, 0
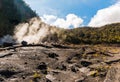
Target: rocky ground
56, 63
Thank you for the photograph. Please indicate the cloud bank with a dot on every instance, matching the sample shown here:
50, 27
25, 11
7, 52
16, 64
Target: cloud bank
70, 21
106, 16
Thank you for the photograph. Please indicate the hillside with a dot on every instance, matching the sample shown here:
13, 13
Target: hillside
88, 35
13, 12
41, 32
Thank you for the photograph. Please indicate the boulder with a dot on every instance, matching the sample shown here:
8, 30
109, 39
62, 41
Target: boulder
52, 55
24, 43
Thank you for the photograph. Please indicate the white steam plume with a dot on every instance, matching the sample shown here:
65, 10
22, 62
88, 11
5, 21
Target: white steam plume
32, 32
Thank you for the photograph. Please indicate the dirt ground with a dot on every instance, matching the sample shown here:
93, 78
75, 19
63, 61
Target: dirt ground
86, 63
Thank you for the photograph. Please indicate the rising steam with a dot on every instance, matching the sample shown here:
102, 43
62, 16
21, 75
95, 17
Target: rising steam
33, 32
7, 39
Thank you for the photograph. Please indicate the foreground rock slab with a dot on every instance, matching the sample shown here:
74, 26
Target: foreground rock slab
40, 63
113, 74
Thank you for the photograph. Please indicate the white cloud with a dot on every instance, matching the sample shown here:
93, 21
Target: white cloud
106, 16
49, 18
71, 20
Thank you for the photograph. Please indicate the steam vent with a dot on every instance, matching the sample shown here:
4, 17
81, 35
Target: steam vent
35, 49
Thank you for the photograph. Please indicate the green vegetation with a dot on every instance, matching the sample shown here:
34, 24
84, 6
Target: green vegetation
86, 35
13, 12
36, 75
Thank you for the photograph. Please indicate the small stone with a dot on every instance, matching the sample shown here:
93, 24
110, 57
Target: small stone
50, 77
84, 70
92, 73
42, 66
61, 66
80, 79
74, 69
52, 55
85, 63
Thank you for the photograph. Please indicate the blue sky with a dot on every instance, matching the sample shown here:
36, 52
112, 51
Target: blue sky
55, 11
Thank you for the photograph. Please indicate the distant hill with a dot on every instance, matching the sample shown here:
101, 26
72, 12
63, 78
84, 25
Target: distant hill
88, 35
35, 31
13, 12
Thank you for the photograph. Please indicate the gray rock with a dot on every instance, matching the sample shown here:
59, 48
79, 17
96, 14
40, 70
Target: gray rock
50, 77
113, 74
80, 79
111, 60
24, 43
84, 70
85, 63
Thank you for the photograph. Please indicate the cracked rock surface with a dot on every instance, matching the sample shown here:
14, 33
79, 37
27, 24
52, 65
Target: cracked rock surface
54, 64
